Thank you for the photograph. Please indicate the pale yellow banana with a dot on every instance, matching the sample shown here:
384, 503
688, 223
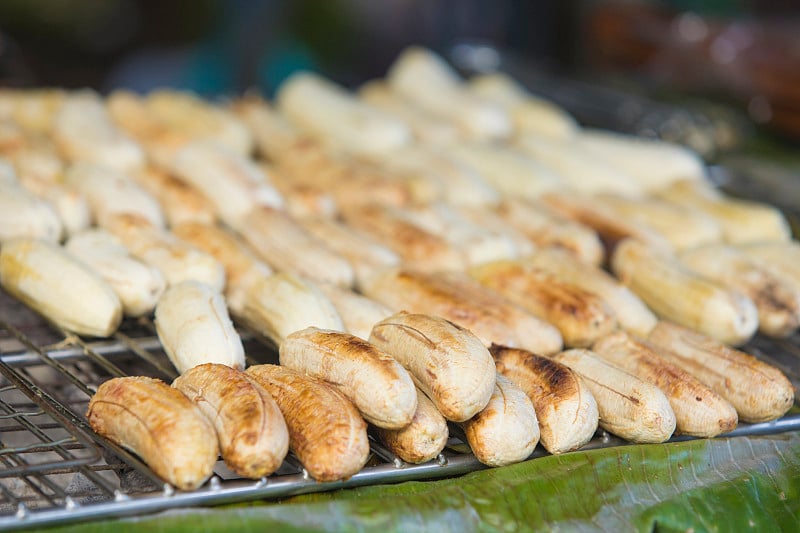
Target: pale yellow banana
425, 79
177, 260
111, 192
629, 407
358, 313
425, 127
368, 256
278, 305
329, 112
138, 286
742, 221
509, 171
63, 289
683, 227
24, 215
677, 294
231, 182
84, 131
757, 390
778, 302
549, 230
653, 163
580, 170
194, 327
283, 243
529, 113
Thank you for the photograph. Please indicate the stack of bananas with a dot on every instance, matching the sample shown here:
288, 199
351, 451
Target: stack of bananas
508, 259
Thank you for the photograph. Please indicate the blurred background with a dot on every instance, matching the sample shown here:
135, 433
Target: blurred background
656, 68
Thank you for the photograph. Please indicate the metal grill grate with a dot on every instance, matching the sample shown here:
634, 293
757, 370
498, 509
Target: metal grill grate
53, 468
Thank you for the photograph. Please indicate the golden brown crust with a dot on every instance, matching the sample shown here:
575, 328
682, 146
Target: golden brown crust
326, 432
419, 249
180, 201
160, 425
506, 431
421, 440
565, 408
581, 316
757, 390
699, 411
235, 257
447, 362
458, 298
251, 430
373, 380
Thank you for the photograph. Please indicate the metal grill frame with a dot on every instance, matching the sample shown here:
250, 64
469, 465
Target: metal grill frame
136, 347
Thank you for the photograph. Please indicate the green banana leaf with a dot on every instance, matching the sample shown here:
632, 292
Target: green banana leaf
734, 484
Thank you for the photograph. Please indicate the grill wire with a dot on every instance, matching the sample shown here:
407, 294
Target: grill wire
54, 469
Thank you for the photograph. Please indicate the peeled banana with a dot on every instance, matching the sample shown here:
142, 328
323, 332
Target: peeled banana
675, 293
194, 327
66, 291
138, 286
280, 304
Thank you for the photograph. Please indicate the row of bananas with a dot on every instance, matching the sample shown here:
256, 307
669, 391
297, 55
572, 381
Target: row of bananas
430, 249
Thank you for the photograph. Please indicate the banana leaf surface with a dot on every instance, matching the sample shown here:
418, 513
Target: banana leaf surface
726, 484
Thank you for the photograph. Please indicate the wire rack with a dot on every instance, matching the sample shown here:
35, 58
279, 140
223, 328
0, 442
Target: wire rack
53, 468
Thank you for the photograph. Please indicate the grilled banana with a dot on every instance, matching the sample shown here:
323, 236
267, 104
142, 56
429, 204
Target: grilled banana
326, 432
179, 201
778, 258
233, 184
194, 328
367, 256
177, 260
160, 425
742, 221
778, 303
465, 302
48, 279
609, 226
677, 294
581, 316
549, 230
565, 408
280, 304
421, 440
632, 314
448, 363
758, 391
699, 411
138, 286
242, 268
285, 245
418, 248
250, 428
506, 430
358, 312
681, 226
629, 407
379, 387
